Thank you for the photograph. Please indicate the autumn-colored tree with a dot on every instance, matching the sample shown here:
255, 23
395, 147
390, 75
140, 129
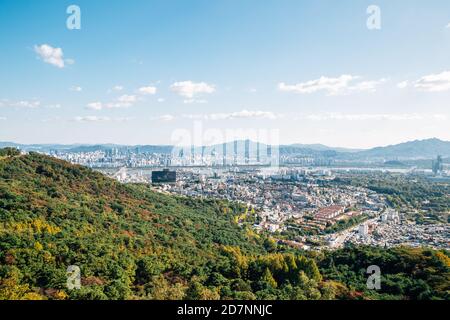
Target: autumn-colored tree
269, 279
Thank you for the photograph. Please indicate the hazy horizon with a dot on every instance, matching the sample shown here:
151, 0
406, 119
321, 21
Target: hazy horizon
206, 145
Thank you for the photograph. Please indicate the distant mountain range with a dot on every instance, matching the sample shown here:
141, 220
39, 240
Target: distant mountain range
419, 149
321, 147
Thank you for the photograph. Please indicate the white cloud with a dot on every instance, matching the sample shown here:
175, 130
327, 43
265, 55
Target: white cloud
189, 89
76, 89
51, 55
116, 88
434, 82
343, 84
32, 104
91, 119
127, 99
331, 85
372, 117
192, 101
100, 119
161, 99
95, 105
2, 118
26, 104
366, 86
244, 114
448, 26
123, 101
147, 90
403, 84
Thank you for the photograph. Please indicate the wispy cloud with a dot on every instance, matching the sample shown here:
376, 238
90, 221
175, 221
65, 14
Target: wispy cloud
91, 119
193, 101
76, 89
116, 88
32, 104
124, 101
366, 86
244, 114
27, 104
403, 84
51, 55
372, 117
148, 90
100, 119
189, 89
434, 82
95, 105
343, 84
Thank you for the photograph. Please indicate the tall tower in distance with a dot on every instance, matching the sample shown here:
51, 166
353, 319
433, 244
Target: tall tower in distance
438, 165
235, 152
192, 154
247, 151
224, 152
258, 158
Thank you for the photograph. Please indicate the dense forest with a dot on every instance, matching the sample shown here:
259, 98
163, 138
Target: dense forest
430, 201
131, 242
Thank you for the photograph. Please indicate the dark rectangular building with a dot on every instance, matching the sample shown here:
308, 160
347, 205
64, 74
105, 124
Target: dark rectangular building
165, 176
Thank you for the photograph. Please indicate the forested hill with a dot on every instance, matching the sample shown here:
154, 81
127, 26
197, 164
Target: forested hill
133, 243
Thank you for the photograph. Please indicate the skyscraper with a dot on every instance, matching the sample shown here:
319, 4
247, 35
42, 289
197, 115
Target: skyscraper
224, 149
437, 165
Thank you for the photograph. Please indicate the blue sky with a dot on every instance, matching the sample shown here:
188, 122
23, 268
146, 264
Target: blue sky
141, 72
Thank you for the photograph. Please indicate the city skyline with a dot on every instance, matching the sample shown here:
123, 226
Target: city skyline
313, 72
227, 143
